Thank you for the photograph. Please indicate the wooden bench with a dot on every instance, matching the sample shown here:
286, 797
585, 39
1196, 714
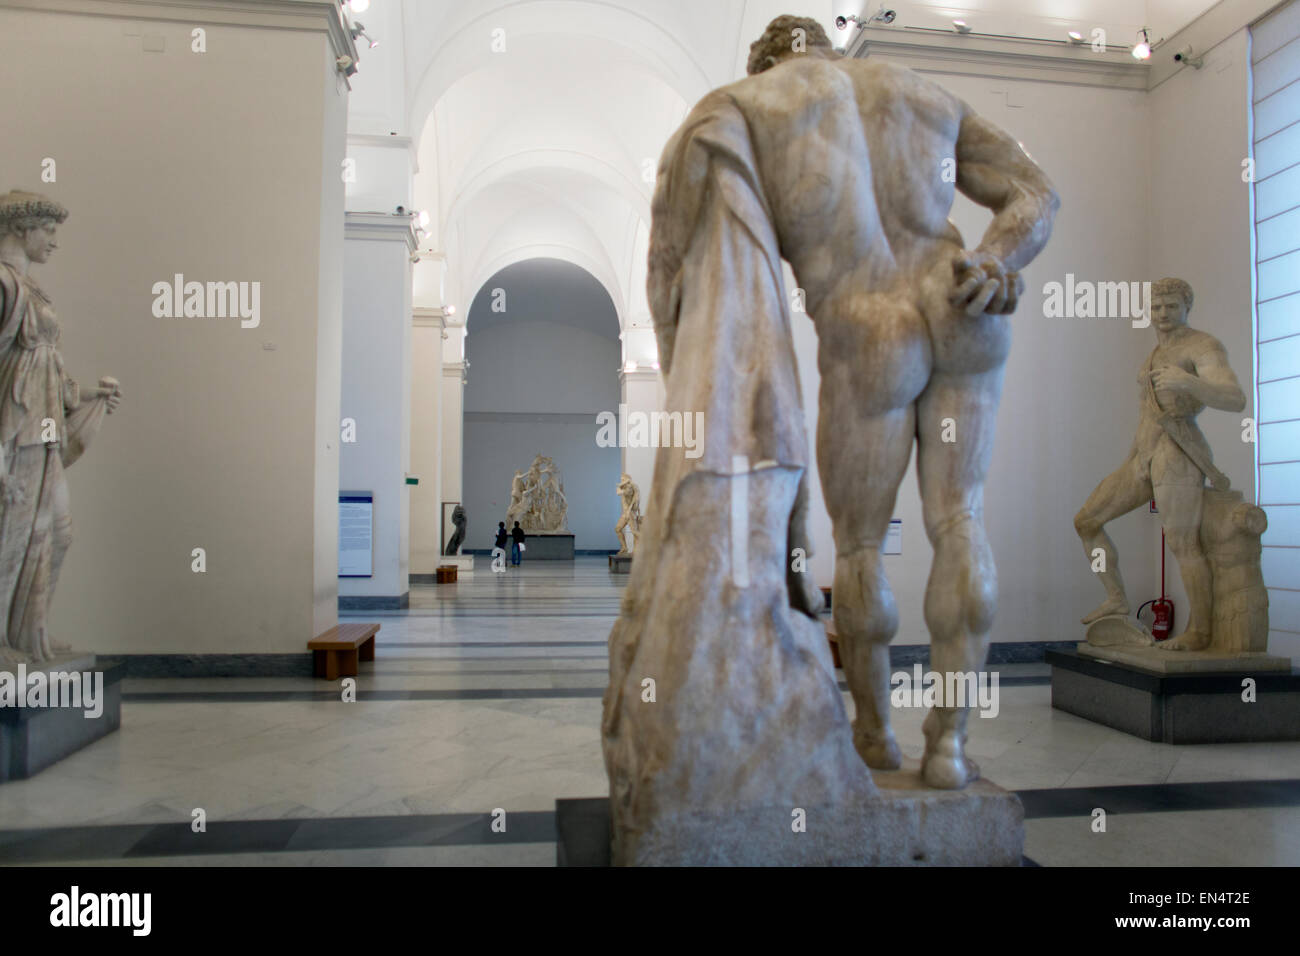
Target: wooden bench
336, 652
445, 574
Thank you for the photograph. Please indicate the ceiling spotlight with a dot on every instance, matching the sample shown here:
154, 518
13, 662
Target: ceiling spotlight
1143, 50
961, 26
1076, 37
448, 310
423, 218
358, 6
346, 65
359, 30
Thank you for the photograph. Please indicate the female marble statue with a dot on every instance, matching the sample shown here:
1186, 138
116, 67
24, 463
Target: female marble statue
46, 422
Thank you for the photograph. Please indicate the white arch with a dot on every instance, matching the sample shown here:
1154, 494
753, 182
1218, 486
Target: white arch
599, 271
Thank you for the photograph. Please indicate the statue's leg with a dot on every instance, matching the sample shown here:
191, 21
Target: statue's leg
961, 594
862, 459
1180, 506
1118, 494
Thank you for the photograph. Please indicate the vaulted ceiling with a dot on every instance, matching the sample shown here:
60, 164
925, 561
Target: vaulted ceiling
537, 124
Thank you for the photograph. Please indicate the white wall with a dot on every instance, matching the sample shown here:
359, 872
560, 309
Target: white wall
523, 366
223, 434
426, 446
377, 395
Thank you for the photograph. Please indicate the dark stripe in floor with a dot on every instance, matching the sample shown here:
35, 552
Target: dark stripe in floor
396, 645
1161, 797
124, 841
464, 693
264, 696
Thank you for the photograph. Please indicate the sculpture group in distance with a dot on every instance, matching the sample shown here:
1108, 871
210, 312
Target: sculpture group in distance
537, 499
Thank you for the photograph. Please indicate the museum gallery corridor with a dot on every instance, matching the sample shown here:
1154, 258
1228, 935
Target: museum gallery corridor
487, 694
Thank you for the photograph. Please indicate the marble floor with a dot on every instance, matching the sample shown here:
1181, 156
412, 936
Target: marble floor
485, 696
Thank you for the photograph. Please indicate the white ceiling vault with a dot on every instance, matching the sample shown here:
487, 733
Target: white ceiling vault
536, 124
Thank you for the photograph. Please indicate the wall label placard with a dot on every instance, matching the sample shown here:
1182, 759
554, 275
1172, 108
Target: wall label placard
356, 534
894, 537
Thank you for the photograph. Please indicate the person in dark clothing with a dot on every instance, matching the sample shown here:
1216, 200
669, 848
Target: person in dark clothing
516, 546
502, 537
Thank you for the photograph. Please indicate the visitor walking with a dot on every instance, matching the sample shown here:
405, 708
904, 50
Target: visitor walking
517, 545
500, 549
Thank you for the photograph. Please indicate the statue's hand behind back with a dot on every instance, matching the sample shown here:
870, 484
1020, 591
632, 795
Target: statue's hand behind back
983, 286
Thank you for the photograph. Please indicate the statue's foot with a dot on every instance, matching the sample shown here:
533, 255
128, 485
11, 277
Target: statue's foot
948, 772
878, 751
1186, 641
1112, 606
945, 765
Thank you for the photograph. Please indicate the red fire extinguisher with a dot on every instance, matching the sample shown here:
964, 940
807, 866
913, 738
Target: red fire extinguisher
1162, 609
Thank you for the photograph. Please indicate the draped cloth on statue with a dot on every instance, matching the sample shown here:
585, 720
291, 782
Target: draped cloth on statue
35, 526
747, 720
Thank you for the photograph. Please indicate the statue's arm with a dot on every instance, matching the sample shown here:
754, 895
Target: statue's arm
1215, 384
994, 171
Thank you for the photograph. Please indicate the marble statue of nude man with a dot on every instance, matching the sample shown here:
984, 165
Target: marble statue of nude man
913, 335
1169, 460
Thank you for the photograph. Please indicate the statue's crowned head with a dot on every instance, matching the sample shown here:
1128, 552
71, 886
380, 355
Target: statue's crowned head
29, 220
785, 37
1171, 300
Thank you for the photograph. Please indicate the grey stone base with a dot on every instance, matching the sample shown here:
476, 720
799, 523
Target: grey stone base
374, 602
1177, 708
908, 824
546, 547
32, 739
620, 563
1159, 661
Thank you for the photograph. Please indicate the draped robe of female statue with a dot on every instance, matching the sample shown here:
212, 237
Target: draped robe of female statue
44, 427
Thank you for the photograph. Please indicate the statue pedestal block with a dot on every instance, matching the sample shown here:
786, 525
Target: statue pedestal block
33, 738
620, 563
1178, 697
546, 546
906, 824
464, 563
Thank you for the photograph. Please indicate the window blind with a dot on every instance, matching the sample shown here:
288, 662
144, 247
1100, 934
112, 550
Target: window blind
1275, 76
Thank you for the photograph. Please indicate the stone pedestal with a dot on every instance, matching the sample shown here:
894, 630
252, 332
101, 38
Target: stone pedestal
1178, 697
906, 824
33, 738
620, 563
546, 547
